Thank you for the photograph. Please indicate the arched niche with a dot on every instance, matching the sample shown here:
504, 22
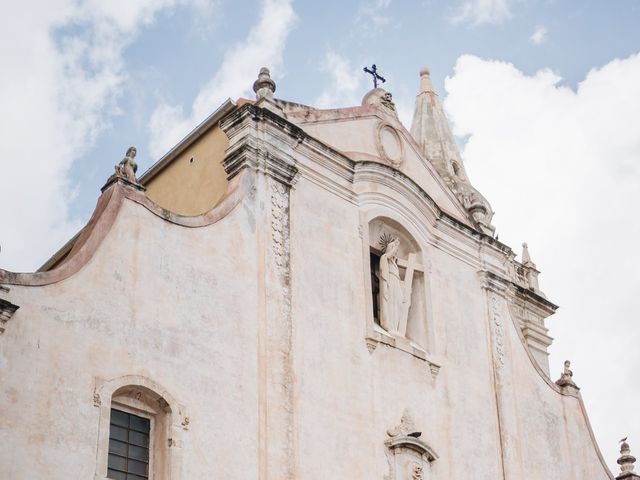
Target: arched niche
144, 398
412, 327
409, 458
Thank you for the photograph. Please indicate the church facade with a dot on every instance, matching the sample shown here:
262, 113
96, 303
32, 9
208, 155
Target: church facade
290, 293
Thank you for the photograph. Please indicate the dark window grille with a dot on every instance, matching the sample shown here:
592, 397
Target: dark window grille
375, 284
128, 446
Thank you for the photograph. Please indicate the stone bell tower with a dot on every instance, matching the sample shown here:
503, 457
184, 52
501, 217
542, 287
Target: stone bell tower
430, 129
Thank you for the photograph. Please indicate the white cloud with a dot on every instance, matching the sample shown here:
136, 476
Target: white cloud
539, 35
561, 168
372, 16
62, 72
477, 12
346, 82
263, 46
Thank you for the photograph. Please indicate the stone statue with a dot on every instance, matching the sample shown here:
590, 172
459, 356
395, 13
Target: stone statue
392, 296
128, 167
566, 378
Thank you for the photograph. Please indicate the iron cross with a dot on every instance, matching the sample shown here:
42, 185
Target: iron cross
374, 73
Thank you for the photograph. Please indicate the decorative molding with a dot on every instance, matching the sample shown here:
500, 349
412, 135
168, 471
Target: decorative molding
280, 236
395, 159
497, 325
529, 304
405, 427
104, 216
138, 385
249, 155
185, 423
371, 345
7, 309
412, 443
405, 448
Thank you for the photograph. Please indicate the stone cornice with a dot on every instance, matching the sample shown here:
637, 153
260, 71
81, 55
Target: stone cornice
250, 145
535, 299
109, 205
253, 156
498, 284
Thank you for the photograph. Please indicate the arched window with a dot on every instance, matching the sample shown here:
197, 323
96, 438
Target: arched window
139, 432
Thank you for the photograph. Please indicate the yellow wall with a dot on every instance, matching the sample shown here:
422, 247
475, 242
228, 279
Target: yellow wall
192, 188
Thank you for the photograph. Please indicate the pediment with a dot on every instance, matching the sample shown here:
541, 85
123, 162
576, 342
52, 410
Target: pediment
371, 133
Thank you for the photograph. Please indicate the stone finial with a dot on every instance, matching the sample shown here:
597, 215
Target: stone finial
264, 86
128, 167
626, 461
525, 253
566, 377
530, 271
425, 82
526, 257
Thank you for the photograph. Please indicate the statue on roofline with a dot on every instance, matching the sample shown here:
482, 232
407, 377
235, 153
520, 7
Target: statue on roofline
128, 167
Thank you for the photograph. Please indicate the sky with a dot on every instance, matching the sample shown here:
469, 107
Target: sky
543, 96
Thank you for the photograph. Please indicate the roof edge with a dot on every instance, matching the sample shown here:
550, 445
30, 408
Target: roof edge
187, 140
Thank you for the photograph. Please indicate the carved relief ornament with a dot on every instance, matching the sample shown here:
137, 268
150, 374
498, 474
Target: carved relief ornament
390, 144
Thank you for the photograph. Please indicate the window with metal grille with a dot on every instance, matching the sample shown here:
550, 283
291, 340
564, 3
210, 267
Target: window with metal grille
128, 446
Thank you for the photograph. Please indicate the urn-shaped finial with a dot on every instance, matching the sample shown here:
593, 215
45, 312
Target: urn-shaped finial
264, 86
626, 460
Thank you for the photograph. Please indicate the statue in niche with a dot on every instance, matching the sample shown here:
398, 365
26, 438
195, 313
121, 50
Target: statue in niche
394, 302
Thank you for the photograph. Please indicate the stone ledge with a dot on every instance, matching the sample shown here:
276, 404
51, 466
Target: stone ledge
374, 338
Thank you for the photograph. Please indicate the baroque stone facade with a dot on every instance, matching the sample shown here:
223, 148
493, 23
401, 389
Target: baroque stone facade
341, 308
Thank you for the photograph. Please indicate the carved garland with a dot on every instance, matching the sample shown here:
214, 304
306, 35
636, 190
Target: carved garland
498, 333
281, 250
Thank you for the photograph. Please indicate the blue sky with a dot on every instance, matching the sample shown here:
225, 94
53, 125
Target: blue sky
544, 96
172, 58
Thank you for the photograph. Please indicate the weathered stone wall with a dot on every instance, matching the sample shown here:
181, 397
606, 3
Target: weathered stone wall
256, 320
159, 300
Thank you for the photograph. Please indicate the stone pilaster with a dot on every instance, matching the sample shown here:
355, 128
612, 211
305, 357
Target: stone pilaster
496, 291
256, 150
